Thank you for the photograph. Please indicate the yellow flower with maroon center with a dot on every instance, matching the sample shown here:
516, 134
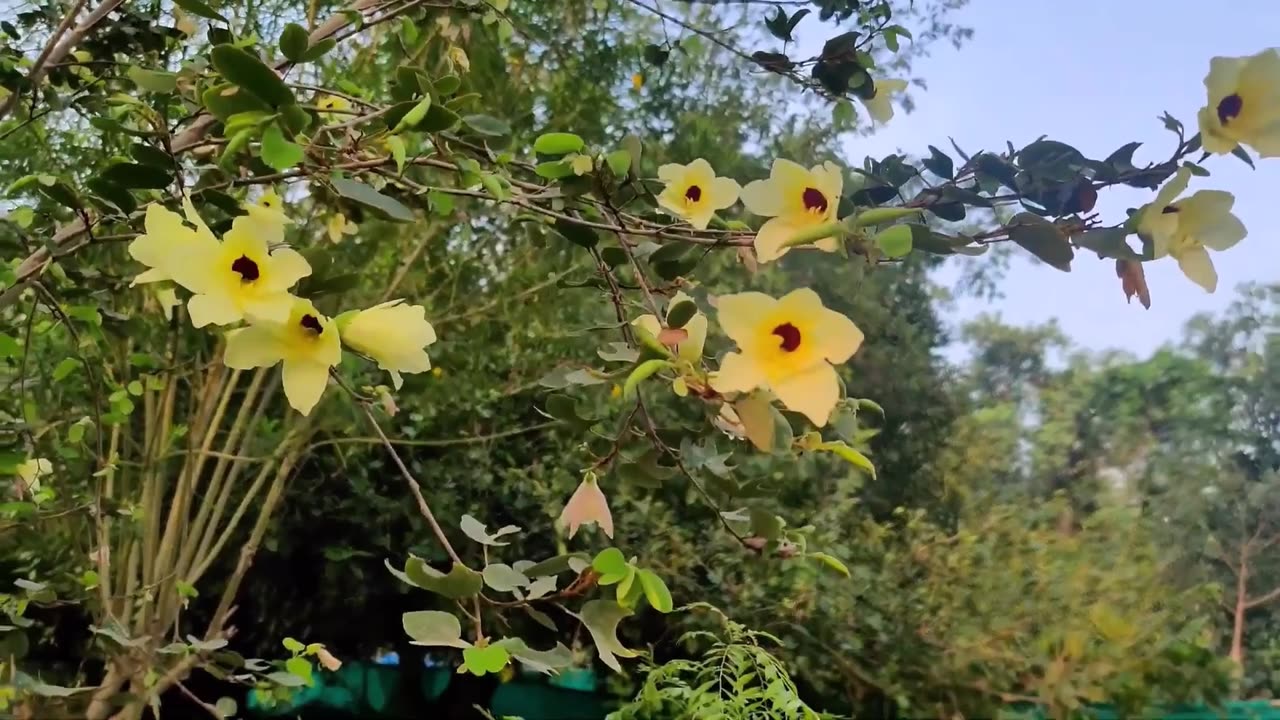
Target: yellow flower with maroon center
307, 343
795, 199
786, 345
240, 276
694, 193
1243, 104
165, 238
880, 104
1187, 229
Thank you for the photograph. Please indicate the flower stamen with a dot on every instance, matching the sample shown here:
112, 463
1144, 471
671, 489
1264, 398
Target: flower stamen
312, 323
693, 194
815, 200
790, 335
246, 268
1229, 108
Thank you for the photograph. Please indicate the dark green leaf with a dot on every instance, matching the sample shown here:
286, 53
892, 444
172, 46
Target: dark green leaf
681, 313
577, 234
389, 208
196, 7
656, 55
148, 155
318, 50
1243, 154
277, 152
1107, 242
939, 164
137, 176
1042, 239
487, 125
294, 42
113, 194
252, 75
226, 100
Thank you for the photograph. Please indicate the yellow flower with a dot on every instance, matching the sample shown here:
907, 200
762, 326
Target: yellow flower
581, 164
338, 226
688, 350
637, 82
693, 192
1188, 228
238, 277
307, 343
459, 58
394, 335
880, 105
587, 505
332, 106
795, 199
166, 237
1244, 104
786, 345
437, 372
31, 471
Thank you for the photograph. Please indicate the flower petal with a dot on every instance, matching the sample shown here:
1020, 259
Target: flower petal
253, 347
762, 197
723, 193
738, 373
1212, 138
813, 393
273, 308
671, 172
771, 237
304, 383
1198, 267
691, 347
213, 310
285, 267
1206, 216
739, 314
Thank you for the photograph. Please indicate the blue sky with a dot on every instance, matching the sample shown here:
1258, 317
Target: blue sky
1096, 74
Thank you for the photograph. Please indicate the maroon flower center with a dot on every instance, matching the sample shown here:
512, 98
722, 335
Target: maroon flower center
815, 200
312, 323
247, 268
790, 335
1230, 108
693, 194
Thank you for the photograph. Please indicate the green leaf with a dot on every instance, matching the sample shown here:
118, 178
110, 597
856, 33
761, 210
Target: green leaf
503, 577
439, 119
848, 454
619, 161
293, 646
415, 115
579, 235
251, 74
681, 313
831, 562
148, 155
294, 42
843, 112
547, 662
481, 660
319, 50
433, 628
557, 143
447, 84
642, 372
1042, 239
1107, 242
226, 100
152, 80
610, 561
477, 531
541, 618
460, 582
601, 618
487, 125
300, 667
553, 170
894, 241
137, 176
9, 347
277, 152
388, 207
553, 566
395, 144
655, 591
876, 216
65, 368
196, 7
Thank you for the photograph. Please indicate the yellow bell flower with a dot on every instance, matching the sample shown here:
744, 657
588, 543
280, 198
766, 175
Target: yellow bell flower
394, 335
694, 193
880, 105
795, 199
1187, 229
1244, 104
786, 345
239, 277
307, 343
338, 226
587, 505
166, 237
459, 58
